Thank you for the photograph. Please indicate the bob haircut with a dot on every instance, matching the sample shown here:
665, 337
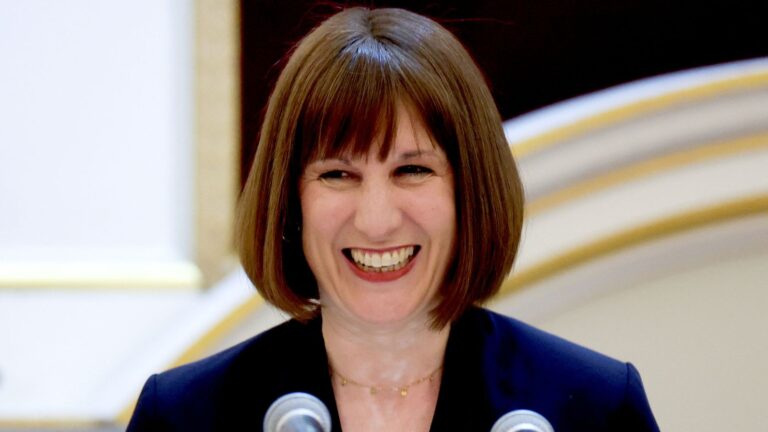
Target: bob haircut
338, 95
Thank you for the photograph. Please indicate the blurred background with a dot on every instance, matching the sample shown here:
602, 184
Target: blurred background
127, 129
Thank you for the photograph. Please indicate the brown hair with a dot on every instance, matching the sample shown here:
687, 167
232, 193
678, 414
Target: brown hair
337, 94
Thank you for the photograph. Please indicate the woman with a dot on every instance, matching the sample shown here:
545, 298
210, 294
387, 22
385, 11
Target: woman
382, 207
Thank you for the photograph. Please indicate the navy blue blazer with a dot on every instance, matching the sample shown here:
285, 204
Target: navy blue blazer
493, 365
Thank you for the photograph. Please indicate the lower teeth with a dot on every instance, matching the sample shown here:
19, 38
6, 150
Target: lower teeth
379, 269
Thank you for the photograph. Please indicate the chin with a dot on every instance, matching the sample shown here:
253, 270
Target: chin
381, 313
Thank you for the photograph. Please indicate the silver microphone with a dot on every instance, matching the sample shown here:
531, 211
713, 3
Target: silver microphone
297, 412
522, 421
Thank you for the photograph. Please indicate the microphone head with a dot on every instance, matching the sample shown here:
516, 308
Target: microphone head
522, 421
297, 412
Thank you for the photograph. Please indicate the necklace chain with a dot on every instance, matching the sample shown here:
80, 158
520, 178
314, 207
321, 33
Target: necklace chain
374, 389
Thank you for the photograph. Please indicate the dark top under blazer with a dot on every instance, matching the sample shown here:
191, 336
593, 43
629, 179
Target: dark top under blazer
493, 365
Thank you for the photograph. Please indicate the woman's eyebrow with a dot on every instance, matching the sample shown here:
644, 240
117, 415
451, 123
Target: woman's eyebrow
333, 159
418, 153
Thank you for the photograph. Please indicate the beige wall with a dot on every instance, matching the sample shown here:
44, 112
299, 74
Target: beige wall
698, 337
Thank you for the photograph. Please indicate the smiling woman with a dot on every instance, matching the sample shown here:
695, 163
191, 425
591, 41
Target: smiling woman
383, 207
378, 233
343, 93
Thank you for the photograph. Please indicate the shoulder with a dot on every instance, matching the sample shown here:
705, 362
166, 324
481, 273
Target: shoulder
245, 360
198, 394
551, 351
526, 367
509, 340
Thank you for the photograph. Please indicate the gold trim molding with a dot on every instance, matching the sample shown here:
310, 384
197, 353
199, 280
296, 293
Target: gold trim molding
217, 134
100, 275
644, 233
63, 424
696, 93
701, 153
205, 342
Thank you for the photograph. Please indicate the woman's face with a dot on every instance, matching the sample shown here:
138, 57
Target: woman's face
378, 235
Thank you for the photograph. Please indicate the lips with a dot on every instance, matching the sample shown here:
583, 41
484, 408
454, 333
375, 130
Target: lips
379, 265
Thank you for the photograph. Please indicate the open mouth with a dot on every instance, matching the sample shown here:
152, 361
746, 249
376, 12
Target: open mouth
375, 262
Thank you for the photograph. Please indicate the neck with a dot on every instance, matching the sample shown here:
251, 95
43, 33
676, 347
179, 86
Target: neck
384, 355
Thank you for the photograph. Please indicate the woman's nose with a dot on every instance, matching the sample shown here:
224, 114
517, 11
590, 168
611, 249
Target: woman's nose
377, 215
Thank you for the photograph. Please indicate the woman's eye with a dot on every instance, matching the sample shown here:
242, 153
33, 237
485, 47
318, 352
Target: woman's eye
413, 170
335, 175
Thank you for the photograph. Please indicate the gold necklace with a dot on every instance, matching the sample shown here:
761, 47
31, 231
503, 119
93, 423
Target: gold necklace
374, 389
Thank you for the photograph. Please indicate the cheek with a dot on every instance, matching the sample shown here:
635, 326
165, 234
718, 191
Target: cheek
321, 216
313, 205
435, 210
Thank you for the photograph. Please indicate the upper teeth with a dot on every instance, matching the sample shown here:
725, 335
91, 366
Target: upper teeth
386, 259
